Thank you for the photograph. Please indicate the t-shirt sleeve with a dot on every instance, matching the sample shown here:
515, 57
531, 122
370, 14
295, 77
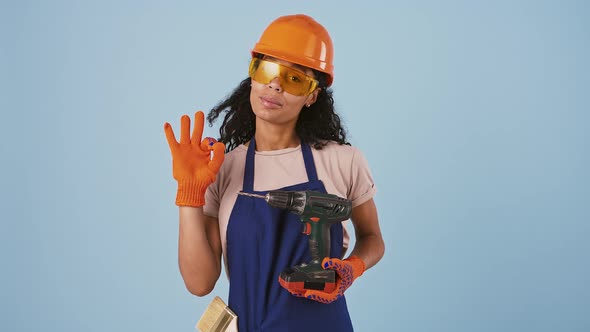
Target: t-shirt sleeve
362, 186
212, 200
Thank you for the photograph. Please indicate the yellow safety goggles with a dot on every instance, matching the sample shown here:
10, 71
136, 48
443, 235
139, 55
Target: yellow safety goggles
292, 80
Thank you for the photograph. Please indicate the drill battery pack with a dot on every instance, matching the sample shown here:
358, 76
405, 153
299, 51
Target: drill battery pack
308, 277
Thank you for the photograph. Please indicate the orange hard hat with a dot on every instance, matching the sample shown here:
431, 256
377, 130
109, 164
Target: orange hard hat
299, 39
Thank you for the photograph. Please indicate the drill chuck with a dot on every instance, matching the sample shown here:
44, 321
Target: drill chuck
293, 201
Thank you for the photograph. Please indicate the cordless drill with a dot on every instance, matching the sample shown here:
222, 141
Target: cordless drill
317, 211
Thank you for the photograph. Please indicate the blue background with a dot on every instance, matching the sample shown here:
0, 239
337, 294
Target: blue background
473, 116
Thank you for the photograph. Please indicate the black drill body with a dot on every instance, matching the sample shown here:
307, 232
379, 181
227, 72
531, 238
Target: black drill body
317, 211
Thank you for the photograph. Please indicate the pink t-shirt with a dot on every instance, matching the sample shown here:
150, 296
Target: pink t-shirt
343, 170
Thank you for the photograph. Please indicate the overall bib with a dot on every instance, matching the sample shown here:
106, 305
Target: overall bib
262, 241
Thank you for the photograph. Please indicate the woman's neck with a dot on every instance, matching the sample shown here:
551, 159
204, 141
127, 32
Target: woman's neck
274, 138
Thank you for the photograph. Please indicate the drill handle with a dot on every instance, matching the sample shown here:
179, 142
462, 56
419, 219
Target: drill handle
319, 241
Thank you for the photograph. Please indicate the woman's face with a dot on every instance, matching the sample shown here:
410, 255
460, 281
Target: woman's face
272, 104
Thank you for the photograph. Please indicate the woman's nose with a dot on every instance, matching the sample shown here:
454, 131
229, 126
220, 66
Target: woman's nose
275, 84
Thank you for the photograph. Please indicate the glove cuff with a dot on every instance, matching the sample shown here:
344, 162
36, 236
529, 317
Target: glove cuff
358, 266
190, 193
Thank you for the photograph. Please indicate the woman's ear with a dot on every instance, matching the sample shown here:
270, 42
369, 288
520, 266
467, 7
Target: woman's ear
312, 97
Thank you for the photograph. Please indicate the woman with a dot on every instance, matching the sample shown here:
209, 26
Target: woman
280, 131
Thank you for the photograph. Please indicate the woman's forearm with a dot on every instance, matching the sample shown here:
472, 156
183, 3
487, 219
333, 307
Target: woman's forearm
370, 248
199, 250
369, 245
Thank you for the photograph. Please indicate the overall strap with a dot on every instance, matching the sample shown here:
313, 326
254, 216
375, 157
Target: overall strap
312, 174
248, 184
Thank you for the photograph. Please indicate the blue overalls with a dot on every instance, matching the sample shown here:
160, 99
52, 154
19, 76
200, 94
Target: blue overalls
262, 241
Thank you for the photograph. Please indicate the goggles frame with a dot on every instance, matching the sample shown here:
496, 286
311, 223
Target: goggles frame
292, 80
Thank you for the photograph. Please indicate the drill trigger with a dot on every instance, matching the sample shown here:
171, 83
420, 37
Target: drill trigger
307, 228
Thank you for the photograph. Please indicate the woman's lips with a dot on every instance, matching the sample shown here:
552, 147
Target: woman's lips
270, 102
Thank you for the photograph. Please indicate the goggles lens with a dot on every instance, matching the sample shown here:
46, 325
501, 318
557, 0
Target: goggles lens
292, 80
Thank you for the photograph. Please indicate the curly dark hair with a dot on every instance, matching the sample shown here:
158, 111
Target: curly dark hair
316, 125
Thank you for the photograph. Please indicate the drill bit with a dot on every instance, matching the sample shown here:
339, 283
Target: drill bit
253, 195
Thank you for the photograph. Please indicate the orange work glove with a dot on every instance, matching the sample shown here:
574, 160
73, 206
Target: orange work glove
192, 165
348, 270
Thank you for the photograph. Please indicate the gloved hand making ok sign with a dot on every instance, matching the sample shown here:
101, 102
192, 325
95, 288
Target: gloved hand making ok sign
192, 165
